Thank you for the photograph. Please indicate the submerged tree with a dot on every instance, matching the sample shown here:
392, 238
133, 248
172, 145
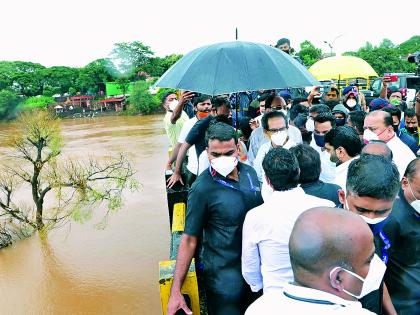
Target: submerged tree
37, 167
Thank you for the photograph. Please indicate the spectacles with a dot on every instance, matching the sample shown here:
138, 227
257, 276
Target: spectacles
274, 130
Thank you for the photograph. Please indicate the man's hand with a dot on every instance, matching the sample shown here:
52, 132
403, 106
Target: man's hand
177, 302
168, 167
253, 123
173, 179
185, 97
385, 81
315, 91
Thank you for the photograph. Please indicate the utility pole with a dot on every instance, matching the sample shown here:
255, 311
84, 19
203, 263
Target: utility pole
236, 33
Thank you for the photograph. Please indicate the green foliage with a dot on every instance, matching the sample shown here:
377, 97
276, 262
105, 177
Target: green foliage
410, 46
384, 58
9, 102
309, 53
141, 101
158, 66
60, 79
27, 78
40, 102
95, 73
129, 57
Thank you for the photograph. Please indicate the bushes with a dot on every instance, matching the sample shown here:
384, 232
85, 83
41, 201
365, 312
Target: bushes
40, 102
141, 101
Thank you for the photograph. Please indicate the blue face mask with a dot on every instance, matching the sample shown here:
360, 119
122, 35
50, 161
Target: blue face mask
319, 140
340, 122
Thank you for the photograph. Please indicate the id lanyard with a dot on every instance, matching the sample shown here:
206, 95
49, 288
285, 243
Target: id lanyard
314, 301
386, 246
226, 184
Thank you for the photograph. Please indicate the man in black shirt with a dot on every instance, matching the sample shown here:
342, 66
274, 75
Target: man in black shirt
403, 231
371, 187
217, 204
310, 169
196, 136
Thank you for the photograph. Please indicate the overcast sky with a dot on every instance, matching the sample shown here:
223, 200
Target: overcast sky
74, 33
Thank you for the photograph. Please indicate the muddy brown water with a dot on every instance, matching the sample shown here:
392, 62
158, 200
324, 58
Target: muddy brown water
79, 269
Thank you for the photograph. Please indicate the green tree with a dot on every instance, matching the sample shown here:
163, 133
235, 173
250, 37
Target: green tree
384, 58
27, 78
309, 53
60, 79
129, 57
123, 82
141, 101
78, 186
156, 66
9, 102
95, 74
410, 46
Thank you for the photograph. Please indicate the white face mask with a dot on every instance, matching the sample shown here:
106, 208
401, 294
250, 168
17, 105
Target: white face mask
366, 219
373, 279
369, 135
351, 103
173, 104
416, 203
224, 165
310, 125
279, 138
372, 221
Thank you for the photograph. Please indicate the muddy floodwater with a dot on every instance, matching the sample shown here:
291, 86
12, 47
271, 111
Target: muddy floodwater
79, 269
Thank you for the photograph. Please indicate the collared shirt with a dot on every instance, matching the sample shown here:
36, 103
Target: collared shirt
216, 210
266, 233
402, 155
402, 275
299, 300
173, 130
192, 165
341, 170
257, 139
327, 167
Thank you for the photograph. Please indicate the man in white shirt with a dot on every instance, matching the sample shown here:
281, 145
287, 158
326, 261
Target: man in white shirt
322, 124
276, 129
202, 107
344, 145
379, 126
330, 266
257, 138
266, 231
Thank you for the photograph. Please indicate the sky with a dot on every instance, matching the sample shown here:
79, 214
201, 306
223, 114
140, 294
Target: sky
74, 33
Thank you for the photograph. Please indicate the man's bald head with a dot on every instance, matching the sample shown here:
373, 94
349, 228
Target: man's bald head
378, 147
379, 114
323, 238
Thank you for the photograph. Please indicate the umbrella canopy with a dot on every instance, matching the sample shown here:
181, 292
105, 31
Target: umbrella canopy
341, 68
235, 67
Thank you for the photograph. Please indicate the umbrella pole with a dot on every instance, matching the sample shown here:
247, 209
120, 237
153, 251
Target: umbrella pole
236, 111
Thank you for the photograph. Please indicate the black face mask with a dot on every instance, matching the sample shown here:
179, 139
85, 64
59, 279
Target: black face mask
395, 127
412, 130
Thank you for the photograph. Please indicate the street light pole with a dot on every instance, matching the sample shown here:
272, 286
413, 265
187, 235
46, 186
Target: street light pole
331, 45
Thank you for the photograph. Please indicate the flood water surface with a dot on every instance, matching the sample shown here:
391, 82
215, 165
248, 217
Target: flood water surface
79, 269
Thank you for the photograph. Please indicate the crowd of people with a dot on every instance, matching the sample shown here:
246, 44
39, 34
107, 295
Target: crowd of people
298, 204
